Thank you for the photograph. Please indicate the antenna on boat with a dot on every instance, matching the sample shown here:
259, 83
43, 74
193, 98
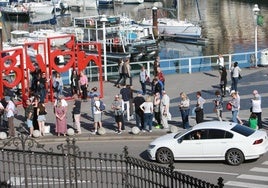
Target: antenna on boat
198, 10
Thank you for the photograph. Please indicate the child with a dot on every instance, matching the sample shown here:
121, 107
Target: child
253, 121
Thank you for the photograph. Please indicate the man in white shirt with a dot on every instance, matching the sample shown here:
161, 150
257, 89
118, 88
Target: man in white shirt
164, 107
97, 114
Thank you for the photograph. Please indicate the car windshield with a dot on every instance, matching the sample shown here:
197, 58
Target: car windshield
246, 131
181, 133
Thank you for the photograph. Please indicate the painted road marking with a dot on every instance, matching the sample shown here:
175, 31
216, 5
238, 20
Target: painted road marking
253, 177
244, 184
256, 169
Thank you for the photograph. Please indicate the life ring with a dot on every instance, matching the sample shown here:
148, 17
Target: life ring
91, 22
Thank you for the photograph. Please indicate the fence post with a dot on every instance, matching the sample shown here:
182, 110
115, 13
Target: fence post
171, 168
126, 181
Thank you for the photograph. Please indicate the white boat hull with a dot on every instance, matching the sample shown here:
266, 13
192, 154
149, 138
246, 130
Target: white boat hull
133, 1
168, 26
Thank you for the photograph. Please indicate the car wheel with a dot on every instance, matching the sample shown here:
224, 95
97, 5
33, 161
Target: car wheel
234, 157
164, 155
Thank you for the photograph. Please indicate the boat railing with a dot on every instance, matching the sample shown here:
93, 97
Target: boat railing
185, 65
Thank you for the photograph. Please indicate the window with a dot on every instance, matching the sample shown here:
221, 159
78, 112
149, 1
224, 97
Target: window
243, 130
218, 134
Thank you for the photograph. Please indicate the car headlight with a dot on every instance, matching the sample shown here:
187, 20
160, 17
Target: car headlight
151, 146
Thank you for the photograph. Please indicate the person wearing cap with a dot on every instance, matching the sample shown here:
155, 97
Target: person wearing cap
10, 111
164, 109
139, 114
256, 107
235, 72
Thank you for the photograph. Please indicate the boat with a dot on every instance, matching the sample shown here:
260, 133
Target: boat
123, 37
105, 3
133, 1
169, 27
4, 3
45, 7
15, 13
82, 4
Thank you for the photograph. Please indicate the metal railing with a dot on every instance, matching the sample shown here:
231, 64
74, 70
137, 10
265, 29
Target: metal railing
180, 65
26, 163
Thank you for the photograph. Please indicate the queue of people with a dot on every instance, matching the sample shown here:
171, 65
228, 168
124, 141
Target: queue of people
150, 108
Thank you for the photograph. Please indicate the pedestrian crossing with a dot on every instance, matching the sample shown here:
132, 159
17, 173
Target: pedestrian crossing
260, 178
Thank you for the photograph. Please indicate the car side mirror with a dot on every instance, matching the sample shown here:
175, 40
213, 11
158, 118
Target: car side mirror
180, 140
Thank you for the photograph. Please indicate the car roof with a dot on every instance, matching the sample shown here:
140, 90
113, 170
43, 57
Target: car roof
215, 124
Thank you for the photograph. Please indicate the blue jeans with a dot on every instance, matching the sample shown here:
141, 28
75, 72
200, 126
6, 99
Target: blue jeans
234, 116
234, 83
185, 118
148, 120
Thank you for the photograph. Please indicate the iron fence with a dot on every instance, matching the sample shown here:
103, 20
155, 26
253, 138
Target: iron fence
26, 163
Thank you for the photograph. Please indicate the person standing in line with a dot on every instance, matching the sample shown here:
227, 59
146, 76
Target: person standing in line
61, 122
220, 62
118, 113
29, 110
42, 86
256, 107
75, 83
35, 116
41, 117
157, 113
77, 113
164, 109
122, 76
223, 81
139, 115
235, 102
199, 111
157, 86
59, 85
83, 82
218, 102
184, 107
147, 108
127, 71
143, 78
92, 94
97, 114
235, 71
161, 77
10, 112
127, 96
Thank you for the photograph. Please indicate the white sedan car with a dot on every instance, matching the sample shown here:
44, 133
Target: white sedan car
213, 140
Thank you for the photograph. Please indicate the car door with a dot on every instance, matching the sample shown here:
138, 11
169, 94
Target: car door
216, 143
188, 147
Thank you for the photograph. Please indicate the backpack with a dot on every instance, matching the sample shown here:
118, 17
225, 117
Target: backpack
102, 106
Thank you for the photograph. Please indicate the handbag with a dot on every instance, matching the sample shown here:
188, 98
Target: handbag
239, 76
229, 106
198, 109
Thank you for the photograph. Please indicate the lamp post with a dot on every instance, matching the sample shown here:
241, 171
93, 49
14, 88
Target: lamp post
104, 20
256, 11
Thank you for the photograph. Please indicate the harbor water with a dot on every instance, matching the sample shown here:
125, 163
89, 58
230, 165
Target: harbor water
227, 25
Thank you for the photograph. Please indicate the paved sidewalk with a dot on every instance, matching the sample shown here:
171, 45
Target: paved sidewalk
206, 82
